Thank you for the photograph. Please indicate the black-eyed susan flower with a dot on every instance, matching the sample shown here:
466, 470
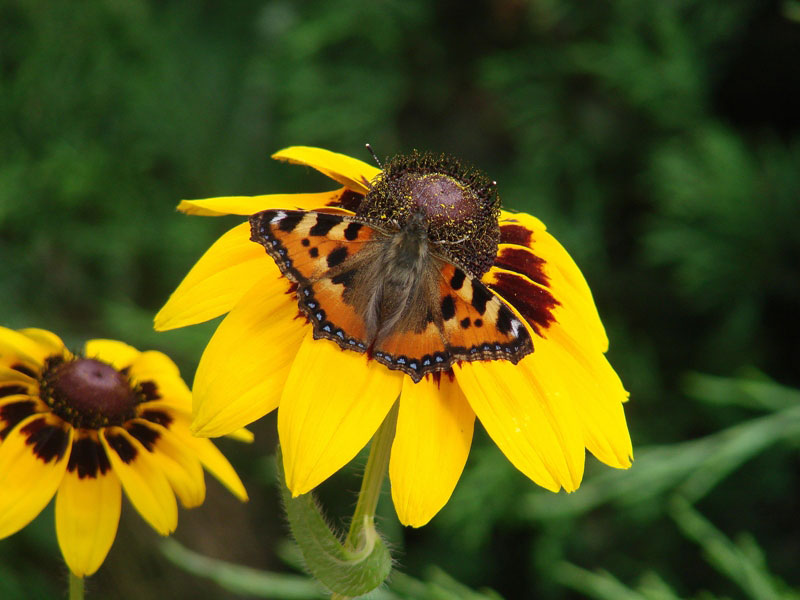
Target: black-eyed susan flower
83, 427
478, 312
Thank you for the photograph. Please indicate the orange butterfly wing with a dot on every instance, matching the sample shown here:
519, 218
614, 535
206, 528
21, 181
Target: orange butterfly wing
465, 321
313, 250
479, 325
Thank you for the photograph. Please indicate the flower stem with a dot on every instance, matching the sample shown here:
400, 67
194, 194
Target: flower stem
362, 526
75, 587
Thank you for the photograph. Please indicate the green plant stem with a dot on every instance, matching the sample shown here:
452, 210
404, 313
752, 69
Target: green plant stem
75, 587
362, 525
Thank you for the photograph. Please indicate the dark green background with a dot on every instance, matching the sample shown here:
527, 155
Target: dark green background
658, 140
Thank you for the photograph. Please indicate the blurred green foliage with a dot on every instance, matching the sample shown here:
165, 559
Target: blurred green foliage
659, 142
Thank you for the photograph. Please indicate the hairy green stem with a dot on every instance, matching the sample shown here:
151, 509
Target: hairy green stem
362, 530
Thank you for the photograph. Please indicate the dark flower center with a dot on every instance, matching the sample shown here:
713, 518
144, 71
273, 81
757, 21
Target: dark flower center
88, 393
442, 198
457, 205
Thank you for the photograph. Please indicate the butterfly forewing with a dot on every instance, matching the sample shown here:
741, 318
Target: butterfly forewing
320, 252
305, 245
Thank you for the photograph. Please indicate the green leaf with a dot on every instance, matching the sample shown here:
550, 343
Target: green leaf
278, 586
604, 586
601, 585
743, 563
694, 468
343, 571
243, 580
749, 392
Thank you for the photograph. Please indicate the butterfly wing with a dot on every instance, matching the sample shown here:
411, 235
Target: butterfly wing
480, 325
320, 253
463, 321
331, 258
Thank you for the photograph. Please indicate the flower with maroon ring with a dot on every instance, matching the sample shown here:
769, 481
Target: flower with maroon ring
544, 398
83, 427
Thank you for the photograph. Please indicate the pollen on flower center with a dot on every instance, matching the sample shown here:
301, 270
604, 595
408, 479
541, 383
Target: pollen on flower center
88, 393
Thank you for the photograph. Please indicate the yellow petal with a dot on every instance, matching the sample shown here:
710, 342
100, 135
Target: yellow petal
208, 454
87, 515
350, 172
568, 283
572, 297
430, 449
160, 369
531, 425
178, 463
14, 407
559, 264
242, 435
332, 403
118, 354
521, 218
16, 346
9, 376
556, 255
46, 339
574, 315
580, 318
142, 478
218, 280
249, 205
153, 365
566, 280
160, 411
211, 458
546, 374
598, 396
30, 473
243, 368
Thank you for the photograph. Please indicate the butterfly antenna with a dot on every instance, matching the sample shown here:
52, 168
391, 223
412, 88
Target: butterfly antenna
374, 156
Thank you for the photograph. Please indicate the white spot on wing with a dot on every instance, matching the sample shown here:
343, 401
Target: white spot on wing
278, 217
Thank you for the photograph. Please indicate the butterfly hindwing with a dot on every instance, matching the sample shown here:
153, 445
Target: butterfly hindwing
464, 321
417, 346
477, 323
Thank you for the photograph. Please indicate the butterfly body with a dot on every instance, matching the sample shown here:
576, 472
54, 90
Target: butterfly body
396, 283
390, 286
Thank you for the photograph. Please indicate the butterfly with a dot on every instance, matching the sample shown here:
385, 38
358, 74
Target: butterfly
400, 279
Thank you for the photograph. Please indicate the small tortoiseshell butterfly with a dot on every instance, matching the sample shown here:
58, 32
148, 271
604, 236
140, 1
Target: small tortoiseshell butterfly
400, 280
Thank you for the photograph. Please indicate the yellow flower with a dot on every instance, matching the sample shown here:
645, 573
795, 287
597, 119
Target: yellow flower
84, 427
542, 412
